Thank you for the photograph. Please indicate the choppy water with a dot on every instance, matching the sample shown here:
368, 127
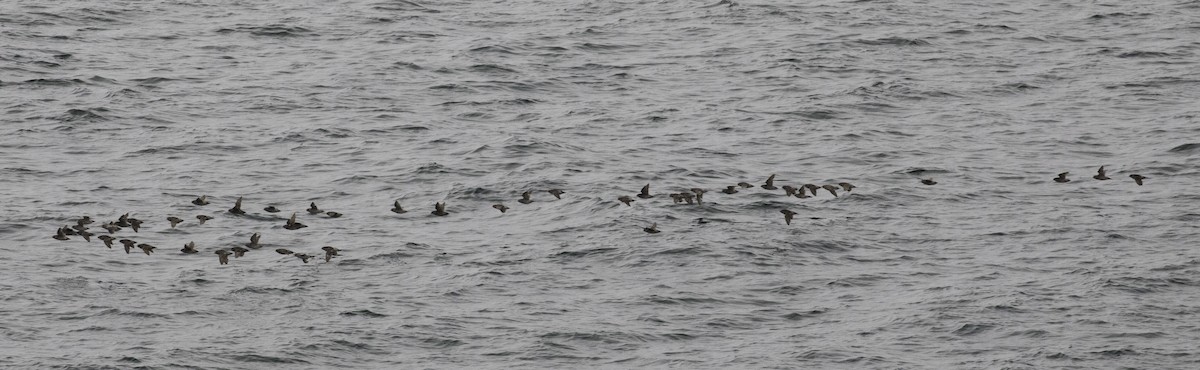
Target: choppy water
114, 107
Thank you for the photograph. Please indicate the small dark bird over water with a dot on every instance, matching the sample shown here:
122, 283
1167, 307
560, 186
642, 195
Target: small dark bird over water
812, 189
1138, 178
333, 214
61, 234
525, 198
787, 216
928, 182
123, 221
731, 189
847, 186
271, 209
67, 230
791, 191
687, 197
832, 189
253, 244
626, 199
745, 185
312, 208
653, 229
770, 185
174, 221
396, 208
84, 220
302, 257
237, 207
78, 227
1062, 177
129, 244
189, 248
439, 209
203, 218
699, 194
135, 224
223, 256
675, 197
283, 251
112, 228
557, 193
502, 208
238, 252
146, 248
1100, 174
107, 240
86, 235
292, 224
645, 194
202, 200
329, 252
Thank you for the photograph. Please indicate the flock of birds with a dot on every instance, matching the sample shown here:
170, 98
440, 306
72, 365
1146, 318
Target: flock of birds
691, 196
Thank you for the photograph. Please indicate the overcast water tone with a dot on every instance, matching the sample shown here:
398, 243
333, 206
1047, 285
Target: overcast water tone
114, 107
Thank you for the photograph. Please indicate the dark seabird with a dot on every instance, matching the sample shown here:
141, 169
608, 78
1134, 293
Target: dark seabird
928, 182
146, 248
731, 189
525, 198
238, 252
745, 185
333, 214
791, 191
84, 220
502, 208
253, 244
770, 185
112, 229
128, 244
787, 216
203, 218
271, 209
292, 224
174, 221
202, 200
653, 229
812, 189
66, 230
237, 207
847, 186
329, 252
832, 189
135, 224
557, 193
439, 209
687, 197
222, 256
87, 236
1062, 177
1138, 178
699, 194
1100, 174
123, 221
800, 193
283, 251
676, 197
107, 240
626, 199
302, 257
396, 208
312, 208
78, 228
61, 234
189, 248
645, 194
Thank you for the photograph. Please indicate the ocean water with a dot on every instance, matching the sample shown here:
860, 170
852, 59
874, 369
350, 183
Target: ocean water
140, 107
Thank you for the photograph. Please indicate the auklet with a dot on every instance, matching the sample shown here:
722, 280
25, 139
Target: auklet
271, 209
189, 248
1138, 178
731, 189
283, 251
146, 248
222, 256
928, 182
123, 221
135, 224
107, 240
699, 194
791, 191
525, 198
1100, 174
329, 252
676, 197
832, 189
645, 194
78, 228
745, 185
237, 207
128, 244
253, 244
203, 218
847, 186
112, 228
557, 193
202, 200
174, 221
626, 199
292, 224
653, 229
67, 230
687, 197
770, 185
1062, 177
787, 216
302, 257
87, 236
812, 189
312, 208
439, 209
238, 252
61, 234
396, 208
333, 214
84, 220
501, 207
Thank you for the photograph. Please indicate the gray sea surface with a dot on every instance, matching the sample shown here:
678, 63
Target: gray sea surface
113, 107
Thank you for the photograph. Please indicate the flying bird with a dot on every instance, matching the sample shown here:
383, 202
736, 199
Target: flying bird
787, 216
1138, 178
645, 194
1100, 174
202, 200
237, 207
439, 209
770, 185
